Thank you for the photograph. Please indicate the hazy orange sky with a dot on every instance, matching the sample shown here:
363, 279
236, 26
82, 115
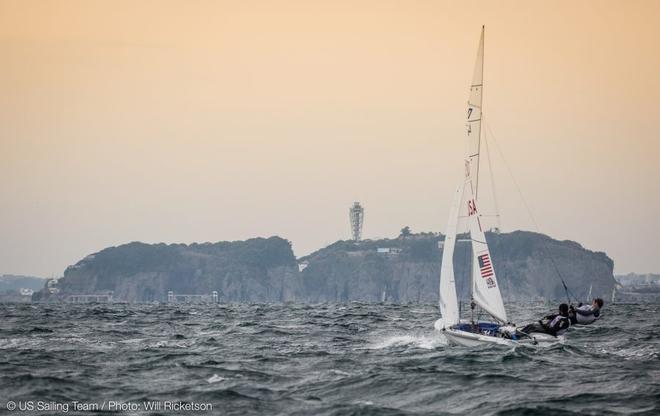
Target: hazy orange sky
183, 121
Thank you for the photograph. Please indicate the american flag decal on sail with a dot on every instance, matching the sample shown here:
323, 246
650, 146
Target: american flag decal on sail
485, 266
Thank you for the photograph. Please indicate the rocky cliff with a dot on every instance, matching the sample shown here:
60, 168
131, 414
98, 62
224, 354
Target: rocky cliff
406, 269
256, 270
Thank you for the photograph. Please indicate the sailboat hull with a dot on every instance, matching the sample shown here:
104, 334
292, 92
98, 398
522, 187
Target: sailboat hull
458, 337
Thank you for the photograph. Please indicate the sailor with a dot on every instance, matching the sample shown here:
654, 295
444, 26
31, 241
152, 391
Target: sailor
585, 314
555, 324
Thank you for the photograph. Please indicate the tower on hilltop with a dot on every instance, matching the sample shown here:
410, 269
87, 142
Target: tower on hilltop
356, 216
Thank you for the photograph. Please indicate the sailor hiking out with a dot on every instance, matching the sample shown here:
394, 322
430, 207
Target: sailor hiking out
555, 324
585, 314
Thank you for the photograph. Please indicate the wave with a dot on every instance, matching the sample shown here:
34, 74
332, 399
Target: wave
428, 341
325, 360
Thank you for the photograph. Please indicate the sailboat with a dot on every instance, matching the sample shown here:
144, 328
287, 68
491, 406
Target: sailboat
484, 288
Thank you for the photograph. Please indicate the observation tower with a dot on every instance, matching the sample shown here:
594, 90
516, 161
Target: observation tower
356, 216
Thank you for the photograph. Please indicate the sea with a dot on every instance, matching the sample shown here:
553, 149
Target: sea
325, 359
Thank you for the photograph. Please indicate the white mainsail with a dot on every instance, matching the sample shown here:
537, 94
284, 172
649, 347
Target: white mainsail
448, 298
485, 289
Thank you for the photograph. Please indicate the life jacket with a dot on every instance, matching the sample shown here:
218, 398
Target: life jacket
587, 318
559, 324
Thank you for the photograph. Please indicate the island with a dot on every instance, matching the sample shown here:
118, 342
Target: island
262, 270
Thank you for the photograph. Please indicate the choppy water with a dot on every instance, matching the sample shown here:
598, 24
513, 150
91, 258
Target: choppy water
320, 360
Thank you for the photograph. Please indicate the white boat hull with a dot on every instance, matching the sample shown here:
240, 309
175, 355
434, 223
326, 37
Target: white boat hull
469, 339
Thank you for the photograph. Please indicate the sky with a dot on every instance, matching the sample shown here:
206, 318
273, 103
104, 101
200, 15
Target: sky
194, 121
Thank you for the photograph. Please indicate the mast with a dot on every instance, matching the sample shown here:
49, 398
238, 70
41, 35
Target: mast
474, 115
482, 48
484, 288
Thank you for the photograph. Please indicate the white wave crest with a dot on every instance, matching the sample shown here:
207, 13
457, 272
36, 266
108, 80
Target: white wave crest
427, 341
215, 379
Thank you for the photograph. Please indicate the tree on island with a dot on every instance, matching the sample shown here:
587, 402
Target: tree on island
405, 232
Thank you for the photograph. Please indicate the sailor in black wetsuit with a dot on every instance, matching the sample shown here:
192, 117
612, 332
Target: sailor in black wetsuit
554, 324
